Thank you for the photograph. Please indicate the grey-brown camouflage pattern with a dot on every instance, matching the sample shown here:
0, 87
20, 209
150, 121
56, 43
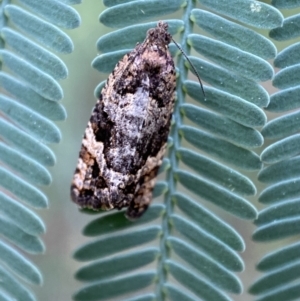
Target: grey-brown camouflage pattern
125, 139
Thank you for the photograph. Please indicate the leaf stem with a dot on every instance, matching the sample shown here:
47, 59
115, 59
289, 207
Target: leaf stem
175, 138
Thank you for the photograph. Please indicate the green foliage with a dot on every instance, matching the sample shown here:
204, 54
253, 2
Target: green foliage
257, 14
180, 249
234, 108
231, 83
130, 35
281, 219
115, 16
28, 107
38, 126
234, 34
10, 285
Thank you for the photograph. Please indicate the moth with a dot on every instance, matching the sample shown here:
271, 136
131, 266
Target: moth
126, 137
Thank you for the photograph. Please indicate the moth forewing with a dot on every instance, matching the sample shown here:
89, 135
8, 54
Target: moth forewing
125, 139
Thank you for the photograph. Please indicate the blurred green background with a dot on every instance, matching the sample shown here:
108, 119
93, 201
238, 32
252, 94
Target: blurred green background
63, 219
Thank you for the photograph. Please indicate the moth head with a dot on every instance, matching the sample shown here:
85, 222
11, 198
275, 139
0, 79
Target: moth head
159, 34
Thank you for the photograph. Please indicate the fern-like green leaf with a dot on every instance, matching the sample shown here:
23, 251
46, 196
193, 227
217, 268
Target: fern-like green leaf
232, 58
195, 284
217, 172
217, 195
23, 141
233, 34
27, 242
279, 257
249, 12
38, 81
287, 78
117, 221
49, 109
281, 150
116, 243
25, 166
117, 265
19, 264
214, 123
24, 218
107, 288
209, 222
282, 126
288, 30
285, 100
283, 190
34, 123
36, 55
280, 171
180, 249
288, 57
14, 287
279, 211
281, 219
129, 13
55, 12
22, 189
230, 82
232, 107
44, 32
226, 151
127, 37
29, 104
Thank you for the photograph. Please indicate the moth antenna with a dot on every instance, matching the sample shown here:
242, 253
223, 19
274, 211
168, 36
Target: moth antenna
199, 79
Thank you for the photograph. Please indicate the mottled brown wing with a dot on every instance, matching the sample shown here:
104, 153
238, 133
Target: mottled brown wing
125, 139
